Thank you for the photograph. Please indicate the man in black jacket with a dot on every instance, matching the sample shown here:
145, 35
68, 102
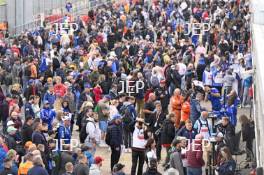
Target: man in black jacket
168, 134
156, 127
4, 111
228, 131
27, 130
162, 95
114, 139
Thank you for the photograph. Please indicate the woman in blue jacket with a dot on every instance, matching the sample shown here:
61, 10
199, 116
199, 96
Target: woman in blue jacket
227, 163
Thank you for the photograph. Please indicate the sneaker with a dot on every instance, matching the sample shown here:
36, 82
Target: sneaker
103, 144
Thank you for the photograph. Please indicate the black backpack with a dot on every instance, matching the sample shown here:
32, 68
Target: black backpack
27, 71
252, 129
126, 115
83, 133
108, 136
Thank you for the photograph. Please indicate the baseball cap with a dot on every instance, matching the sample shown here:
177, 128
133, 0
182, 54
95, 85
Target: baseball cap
98, 159
11, 129
30, 81
108, 97
116, 116
118, 167
46, 102
87, 85
66, 117
9, 123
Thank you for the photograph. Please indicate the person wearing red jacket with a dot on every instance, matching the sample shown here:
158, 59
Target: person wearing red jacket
195, 157
60, 89
98, 93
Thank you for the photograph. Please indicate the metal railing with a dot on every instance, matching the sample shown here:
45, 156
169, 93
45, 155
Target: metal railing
80, 7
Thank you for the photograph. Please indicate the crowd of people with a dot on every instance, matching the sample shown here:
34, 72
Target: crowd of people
133, 78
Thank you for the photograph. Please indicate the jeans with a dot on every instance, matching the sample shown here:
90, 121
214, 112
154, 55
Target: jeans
137, 157
194, 171
115, 155
127, 138
245, 96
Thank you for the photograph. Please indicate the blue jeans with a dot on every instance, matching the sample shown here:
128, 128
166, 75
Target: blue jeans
103, 126
194, 171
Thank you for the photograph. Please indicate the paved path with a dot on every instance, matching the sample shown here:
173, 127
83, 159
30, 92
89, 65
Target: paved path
126, 157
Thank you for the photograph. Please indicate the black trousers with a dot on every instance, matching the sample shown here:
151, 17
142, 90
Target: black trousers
127, 138
138, 157
115, 155
158, 146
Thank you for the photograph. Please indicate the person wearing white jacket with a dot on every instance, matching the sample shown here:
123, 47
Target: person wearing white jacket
93, 134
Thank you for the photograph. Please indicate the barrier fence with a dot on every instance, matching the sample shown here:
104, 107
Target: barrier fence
79, 7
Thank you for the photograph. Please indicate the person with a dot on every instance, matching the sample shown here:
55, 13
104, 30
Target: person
214, 96
187, 131
156, 126
27, 130
175, 157
38, 137
29, 107
202, 125
152, 169
8, 168
195, 157
228, 81
138, 145
47, 114
102, 109
68, 168
248, 135
50, 96
150, 150
114, 139
12, 139
186, 108
81, 168
128, 113
176, 105
228, 130
118, 169
163, 96
149, 108
64, 132
231, 107
24, 167
195, 107
95, 167
38, 167
93, 136
228, 164
168, 134
4, 110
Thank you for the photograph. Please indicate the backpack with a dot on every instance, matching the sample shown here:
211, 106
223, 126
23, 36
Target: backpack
206, 125
154, 81
168, 74
27, 71
252, 129
83, 133
108, 136
126, 116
